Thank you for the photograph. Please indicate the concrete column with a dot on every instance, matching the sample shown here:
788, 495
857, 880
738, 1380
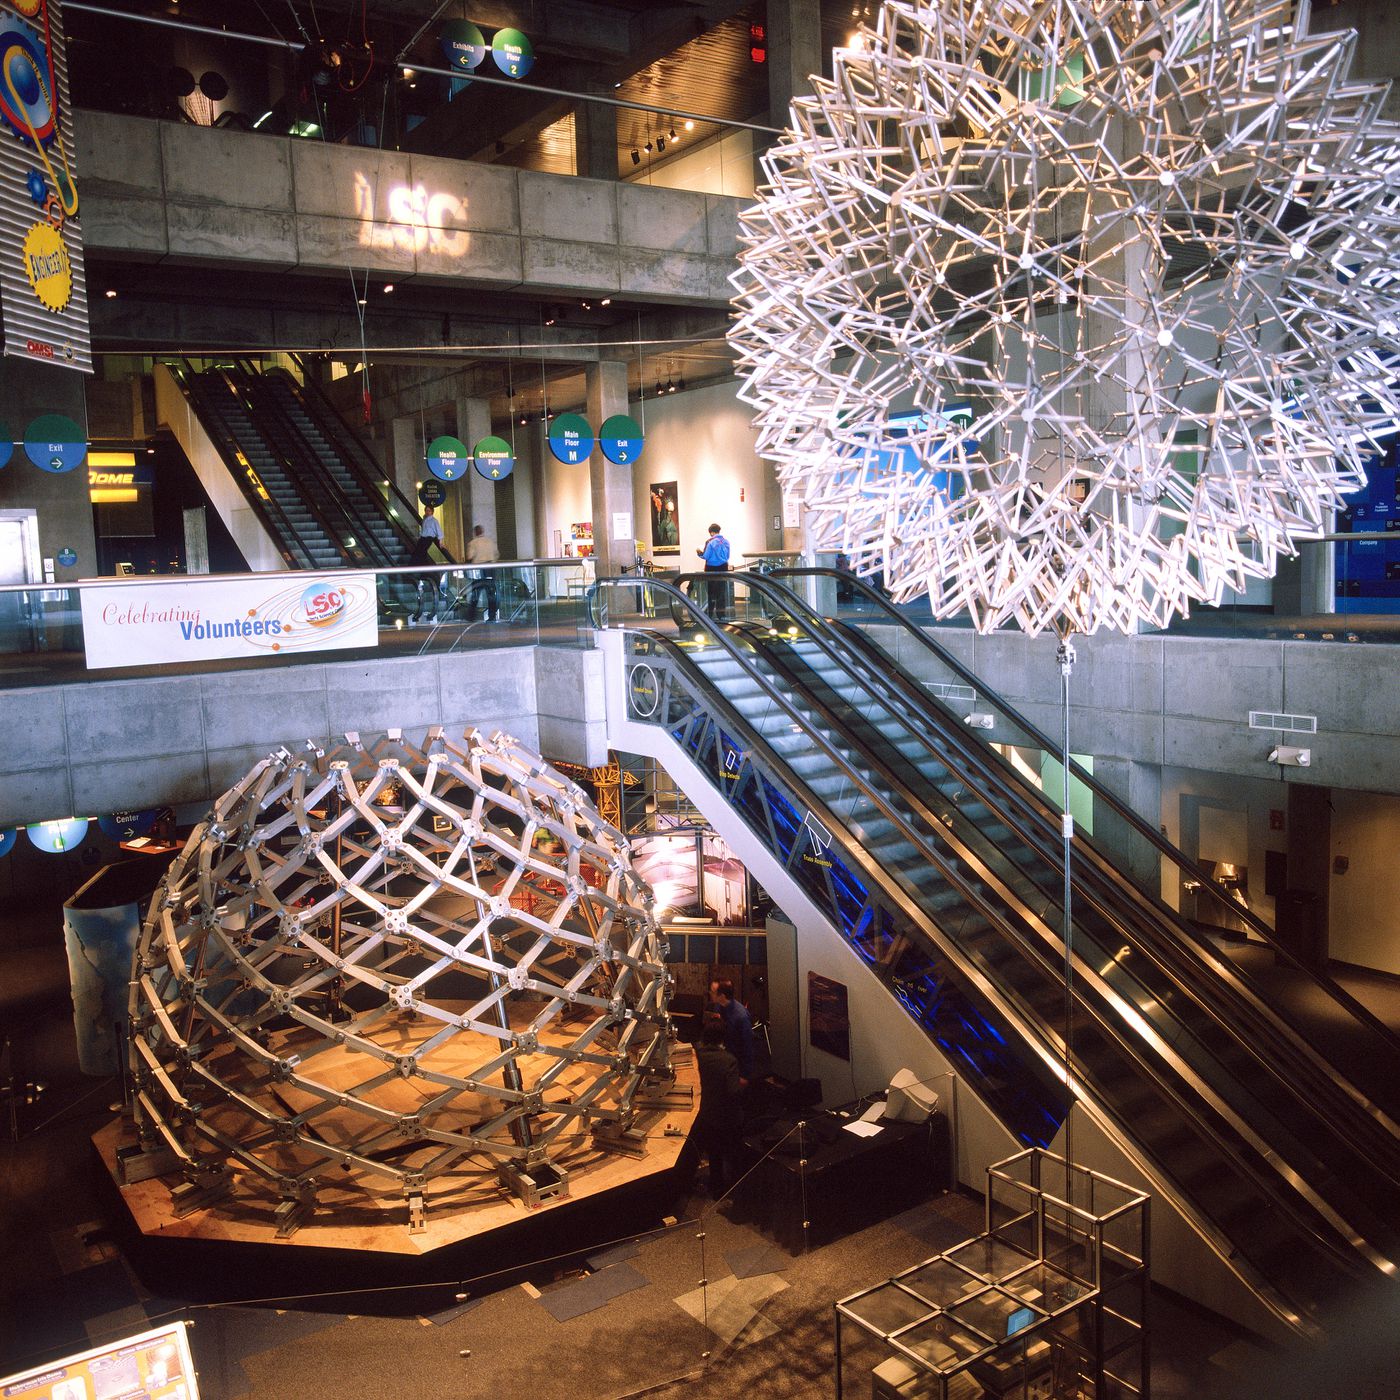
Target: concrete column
611, 484
595, 140
408, 457
794, 53
528, 544
473, 424
1139, 785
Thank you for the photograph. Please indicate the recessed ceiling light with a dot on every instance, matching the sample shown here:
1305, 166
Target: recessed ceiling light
388, 287
111, 291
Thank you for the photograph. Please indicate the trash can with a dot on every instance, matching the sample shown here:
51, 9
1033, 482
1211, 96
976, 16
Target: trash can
100, 927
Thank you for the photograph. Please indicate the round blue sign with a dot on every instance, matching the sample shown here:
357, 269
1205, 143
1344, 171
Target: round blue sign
570, 439
494, 459
67, 557
8, 839
57, 837
512, 53
620, 439
55, 443
7, 445
463, 44
127, 826
448, 458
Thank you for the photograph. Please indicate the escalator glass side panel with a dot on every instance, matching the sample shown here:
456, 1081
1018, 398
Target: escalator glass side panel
1013, 1082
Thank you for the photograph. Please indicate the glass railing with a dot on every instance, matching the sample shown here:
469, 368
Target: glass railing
150, 624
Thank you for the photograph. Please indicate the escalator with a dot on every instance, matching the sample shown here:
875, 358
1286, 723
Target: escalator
944, 868
304, 486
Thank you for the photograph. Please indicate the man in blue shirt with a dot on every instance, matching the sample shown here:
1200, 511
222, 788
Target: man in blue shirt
738, 1027
716, 556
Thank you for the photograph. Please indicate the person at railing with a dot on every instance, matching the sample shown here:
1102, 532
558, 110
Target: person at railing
482, 550
738, 1026
715, 553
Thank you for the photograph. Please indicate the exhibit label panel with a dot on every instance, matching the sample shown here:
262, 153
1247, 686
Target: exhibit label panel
155, 624
156, 1365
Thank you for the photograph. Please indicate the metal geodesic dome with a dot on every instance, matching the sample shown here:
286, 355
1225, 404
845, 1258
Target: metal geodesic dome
386, 966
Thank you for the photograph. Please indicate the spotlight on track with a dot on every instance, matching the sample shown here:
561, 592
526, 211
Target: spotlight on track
636, 156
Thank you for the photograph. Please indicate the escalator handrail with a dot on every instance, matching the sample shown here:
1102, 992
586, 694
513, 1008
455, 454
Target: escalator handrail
1271, 1187
293, 472
267, 408
267, 509
1247, 1019
324, 414
1110, 895
1146, 830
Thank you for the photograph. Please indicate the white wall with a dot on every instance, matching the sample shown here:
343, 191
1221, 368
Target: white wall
1222, 794
722, 165
1363, 913
703, 440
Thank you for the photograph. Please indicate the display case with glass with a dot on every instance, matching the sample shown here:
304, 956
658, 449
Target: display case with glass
1050, 1301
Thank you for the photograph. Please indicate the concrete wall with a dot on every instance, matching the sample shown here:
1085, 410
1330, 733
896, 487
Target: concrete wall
106, 746
194, 195
1185, 701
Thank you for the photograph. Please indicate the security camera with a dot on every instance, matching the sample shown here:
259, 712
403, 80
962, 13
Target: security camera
979, 721
1289, 757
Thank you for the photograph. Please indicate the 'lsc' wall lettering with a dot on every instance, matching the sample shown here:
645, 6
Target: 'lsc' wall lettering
414, 219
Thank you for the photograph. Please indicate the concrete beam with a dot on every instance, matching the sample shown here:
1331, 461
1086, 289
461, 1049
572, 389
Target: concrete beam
194, 196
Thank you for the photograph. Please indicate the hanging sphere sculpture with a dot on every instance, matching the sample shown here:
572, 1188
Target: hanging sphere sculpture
395, 967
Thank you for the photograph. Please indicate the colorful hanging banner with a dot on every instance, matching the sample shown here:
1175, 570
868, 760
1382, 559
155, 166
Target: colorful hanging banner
448, 458
43, 290
512, 53
620, 439
570, 438
494, 459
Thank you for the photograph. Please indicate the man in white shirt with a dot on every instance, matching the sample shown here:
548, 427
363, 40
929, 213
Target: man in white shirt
429, 534
482, 550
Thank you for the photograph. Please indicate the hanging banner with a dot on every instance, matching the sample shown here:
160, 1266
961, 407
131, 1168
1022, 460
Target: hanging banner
43, 290
570, 439
494, 459
154, 623
620, 439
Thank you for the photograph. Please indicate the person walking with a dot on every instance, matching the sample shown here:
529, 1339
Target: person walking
482, 550
429, 534
717, 1125
715, 553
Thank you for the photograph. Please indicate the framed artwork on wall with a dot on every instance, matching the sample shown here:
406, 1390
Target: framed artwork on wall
665, 518
828, 1016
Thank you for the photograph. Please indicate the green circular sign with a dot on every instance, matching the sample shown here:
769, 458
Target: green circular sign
494, 459
448, 459
7, 445
464, 44
570, 438
512, 53
621, 439
55, 443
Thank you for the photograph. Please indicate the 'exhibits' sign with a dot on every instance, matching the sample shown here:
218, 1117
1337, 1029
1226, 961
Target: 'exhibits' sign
155, 624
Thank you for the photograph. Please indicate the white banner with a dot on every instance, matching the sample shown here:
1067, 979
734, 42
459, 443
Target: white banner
162, 623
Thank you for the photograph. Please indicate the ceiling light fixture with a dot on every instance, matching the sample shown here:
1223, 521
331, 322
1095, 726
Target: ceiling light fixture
388, 287
690, 126
111, 292
660, 144
636, 156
